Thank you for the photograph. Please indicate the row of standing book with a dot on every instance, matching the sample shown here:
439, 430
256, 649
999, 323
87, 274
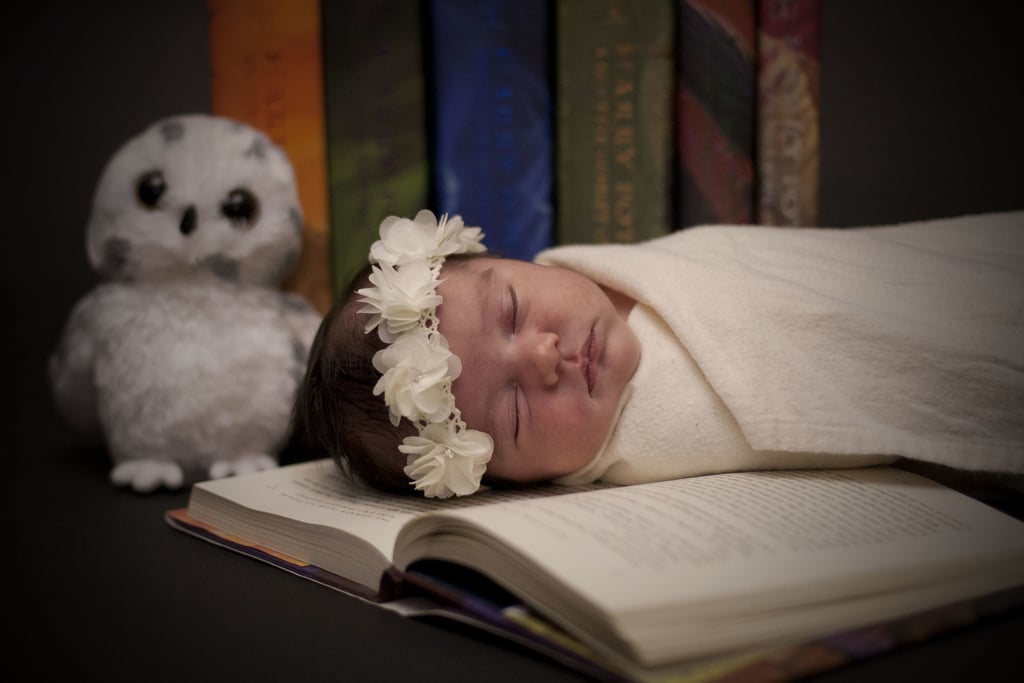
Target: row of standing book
543, 121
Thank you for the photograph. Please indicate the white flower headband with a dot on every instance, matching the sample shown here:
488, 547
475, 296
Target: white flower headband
417, 369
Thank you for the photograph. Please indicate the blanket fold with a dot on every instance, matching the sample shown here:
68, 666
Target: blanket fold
802, 347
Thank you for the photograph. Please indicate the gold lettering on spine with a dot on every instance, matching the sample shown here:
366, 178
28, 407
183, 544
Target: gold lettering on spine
601, 208
623, 142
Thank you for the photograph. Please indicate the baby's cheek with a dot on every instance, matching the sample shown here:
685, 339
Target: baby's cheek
575, 432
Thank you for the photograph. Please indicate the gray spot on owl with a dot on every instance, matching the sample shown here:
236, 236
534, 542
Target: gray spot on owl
286, 265
115, 256
172, 131
295, 216
295, 304
257, 149
224, 267
299, 357
299, 351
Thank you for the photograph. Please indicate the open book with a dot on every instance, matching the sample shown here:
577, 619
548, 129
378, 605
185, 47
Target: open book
651, 580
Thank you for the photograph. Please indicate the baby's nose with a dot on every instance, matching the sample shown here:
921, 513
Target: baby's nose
540, 359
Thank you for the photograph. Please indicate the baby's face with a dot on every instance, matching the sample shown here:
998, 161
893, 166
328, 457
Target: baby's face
546, 356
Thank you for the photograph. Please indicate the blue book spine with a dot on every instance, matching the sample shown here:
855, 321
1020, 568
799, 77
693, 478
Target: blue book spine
493, 120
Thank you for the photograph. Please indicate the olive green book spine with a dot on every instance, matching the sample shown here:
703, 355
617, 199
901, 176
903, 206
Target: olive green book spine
614, 135
375, 85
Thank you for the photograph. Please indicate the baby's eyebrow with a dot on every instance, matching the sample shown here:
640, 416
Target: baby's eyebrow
487, 284
486, 294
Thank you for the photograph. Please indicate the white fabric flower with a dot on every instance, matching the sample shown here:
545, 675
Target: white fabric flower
455, 238
400, 298
423, 238
415, 373
403, 240
443, 462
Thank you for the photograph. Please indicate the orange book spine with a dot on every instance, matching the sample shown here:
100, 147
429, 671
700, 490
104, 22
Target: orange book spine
267, 71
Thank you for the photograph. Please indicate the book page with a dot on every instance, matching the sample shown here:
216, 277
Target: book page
315, 493
295, 508
762, 535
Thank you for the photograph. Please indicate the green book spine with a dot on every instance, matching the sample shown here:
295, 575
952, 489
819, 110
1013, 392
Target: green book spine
614, 92
374, 75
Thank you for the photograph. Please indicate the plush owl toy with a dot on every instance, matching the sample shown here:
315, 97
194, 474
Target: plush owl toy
185, 360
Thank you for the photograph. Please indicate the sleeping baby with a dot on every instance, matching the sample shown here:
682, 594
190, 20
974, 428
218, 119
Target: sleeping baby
717, 348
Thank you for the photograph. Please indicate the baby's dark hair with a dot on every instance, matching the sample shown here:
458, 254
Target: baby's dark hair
335, 409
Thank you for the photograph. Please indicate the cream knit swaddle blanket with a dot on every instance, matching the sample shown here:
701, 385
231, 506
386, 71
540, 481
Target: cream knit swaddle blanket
772, 347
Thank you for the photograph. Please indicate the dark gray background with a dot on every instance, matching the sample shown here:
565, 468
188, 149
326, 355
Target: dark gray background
921, 111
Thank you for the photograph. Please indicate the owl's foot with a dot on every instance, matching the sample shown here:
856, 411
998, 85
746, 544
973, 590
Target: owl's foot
242, 465
145, 476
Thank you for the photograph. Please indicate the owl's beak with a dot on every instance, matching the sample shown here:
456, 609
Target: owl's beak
188, 221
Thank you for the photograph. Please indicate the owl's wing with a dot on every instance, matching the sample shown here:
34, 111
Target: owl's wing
71, 369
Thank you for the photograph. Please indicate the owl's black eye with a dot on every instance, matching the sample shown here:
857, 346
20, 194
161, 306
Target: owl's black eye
241, 208
150, 188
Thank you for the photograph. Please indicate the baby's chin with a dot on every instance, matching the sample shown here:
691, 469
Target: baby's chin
594, 457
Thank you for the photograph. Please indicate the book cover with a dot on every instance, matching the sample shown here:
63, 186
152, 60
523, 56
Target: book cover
715, 112
615, 70
433, 589
375, 74
492, 112
266, 70
789, 105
